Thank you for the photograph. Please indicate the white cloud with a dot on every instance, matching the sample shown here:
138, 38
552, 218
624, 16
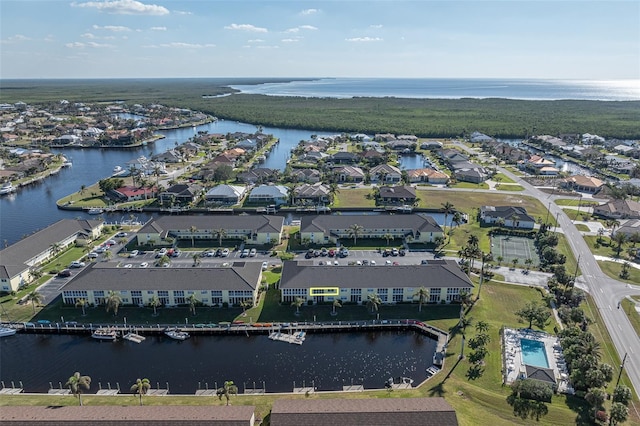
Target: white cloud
268, 47
256, 40
290, 40
309, 11
186, 45
293, 30
363, 39
375, 26
308, 27
49, 38
90, 44
87, 35
114, 28
124, 7
158, 28
15, 38
246, 27
182, 12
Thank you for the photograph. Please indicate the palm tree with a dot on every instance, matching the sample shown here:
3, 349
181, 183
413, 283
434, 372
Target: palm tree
528, 261
81, 303
108, 255
515, 221
193, 301
457, 218
113, 301
76, 383
196, 259
600, 234
246, 304
336, 304
227, 390
482, 326
154, 302
473, 240
55, 249
35, 298
388, 237
423, 295
193, 230
500, 222
355, 231
140, 387
373, 302
297, 302
447, 209
515, 262
620, 239
219, 234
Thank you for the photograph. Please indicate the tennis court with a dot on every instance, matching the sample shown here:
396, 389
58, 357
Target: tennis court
510, 248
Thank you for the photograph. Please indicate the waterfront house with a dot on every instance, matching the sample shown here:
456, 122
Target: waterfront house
349, 174
171, 156
269, 194
582, 183
353, 284
619, 209
385, 173
368, 411
427, 175
344, 157
180, 193
330, 229
134, 193
475, 174
431, 145
509, 216
259, 175
95, 415
226, 194
173, 286
17, 260
477, 137
403, 194
306, 175
251, 229
318, 193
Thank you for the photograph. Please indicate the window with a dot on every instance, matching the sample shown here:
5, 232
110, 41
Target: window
434, 295
453, 294
398, 294
216, 297
356, 295
383, 294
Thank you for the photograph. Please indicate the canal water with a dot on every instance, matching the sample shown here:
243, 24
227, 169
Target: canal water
326, 361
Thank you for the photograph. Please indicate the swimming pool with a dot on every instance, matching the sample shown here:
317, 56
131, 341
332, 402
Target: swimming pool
534, 353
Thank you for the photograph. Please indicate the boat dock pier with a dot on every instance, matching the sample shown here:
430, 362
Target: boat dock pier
108, 391
11, 390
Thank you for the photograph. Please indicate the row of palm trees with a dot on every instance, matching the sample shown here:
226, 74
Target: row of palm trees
77, 382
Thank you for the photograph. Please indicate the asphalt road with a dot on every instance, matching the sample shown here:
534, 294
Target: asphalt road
606, 292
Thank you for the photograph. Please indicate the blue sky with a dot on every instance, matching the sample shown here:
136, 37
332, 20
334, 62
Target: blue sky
210, 38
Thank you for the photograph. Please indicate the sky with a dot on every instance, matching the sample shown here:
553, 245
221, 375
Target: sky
595, 40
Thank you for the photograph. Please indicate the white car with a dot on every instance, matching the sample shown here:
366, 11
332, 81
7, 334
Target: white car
76, 264
372, 263
134, 253
93, 255
225, 252
253, 252
144, 265
335, 263
162, 252
265, 266
244, 253
128, 265
388, 262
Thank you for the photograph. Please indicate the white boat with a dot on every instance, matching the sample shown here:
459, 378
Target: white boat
117, 170
67, 163
104, 334
176, 334
95, 210
133, 337
7, 188
6, 331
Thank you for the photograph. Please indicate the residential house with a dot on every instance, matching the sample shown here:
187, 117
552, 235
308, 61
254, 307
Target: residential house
252, 229
306, 175
344, 157
366, 411
431, 145
180, 193
476, 174
509, 216
384, 137
400, 195
535, 164
212, 286
385, 173
259, 175
269, 194
172, 157
582, 183
330, 229
226, 194
348, 174
95, 415
393, 284
17, 260
631, 228
318, 193
133, 193
373, 156
401, 145
619, 209
248, 145
312, 156
477, 137
427, 175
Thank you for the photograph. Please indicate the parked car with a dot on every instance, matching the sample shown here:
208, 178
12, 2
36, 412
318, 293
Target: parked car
225, 252
253, 252
161, 252
324, 252
100, 249
128, 265
372, 263
134, 253
76, 264
144, 265
244, 253
332, 253
265, 266
424, 262
64, 273
218, 252
93, 255
402, 252
121, 234
394, 252
209, 253
175, 253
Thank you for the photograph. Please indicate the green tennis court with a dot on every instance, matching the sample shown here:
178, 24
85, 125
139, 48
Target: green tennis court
514, 248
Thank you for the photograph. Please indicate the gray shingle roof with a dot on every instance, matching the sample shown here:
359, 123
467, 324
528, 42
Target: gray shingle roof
437, 274
507, 212
239, 276
261, 223
370, 411
324, 223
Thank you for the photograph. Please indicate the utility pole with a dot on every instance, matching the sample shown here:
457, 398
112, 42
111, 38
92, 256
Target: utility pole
621, 367
575, 274
481, 275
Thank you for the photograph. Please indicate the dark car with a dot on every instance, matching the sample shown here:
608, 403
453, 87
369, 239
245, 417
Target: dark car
64, 273
402, 252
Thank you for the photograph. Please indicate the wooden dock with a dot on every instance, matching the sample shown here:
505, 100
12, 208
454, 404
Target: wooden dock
206, 392
353, 388
304, 390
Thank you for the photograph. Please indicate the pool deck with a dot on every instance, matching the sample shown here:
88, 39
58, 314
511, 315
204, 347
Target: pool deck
514, 365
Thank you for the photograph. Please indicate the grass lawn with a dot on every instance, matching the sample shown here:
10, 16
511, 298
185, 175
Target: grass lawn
574, 203
354, 197
634, 316
482, 185
502, 178
613, 269
509, 188
582, 227
575, 214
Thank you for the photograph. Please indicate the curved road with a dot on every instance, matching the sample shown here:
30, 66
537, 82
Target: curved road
606, 292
